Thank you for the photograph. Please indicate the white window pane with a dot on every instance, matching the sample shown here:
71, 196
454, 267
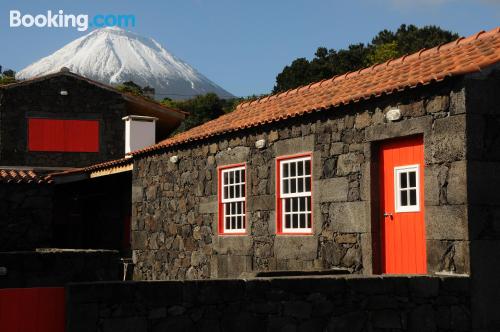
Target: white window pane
302, 220
300, 183
293, 169
293, 186
308, 167
413, 179
404, 198
287, 221
300, 168
402, 178
413, 196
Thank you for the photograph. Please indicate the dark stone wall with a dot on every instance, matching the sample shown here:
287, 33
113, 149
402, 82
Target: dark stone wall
308, 304
94, 213
174, 206
25, 216
42, 99
483, 183
56, 267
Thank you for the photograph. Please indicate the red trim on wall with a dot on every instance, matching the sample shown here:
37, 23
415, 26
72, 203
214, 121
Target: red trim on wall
219, 199
279, 226
58, 135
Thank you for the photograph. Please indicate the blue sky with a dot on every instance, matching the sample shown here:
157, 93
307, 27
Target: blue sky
243, 45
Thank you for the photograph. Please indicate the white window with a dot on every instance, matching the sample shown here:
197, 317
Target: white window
295, 195
407, 188
232, 202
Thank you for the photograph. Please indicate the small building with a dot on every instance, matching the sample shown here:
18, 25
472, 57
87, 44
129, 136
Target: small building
392, 169
56, 123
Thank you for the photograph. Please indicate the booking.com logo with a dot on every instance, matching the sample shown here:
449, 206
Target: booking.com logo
61, 20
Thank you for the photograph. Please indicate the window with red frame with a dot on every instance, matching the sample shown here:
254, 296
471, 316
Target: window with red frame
294, 195
60, 135
232, 193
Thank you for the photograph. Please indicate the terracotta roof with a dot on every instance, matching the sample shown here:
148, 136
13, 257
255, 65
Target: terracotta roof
463, 56
95, 168
23, 176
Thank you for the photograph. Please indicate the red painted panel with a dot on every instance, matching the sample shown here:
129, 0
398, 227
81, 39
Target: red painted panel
32, 310
56, 135
402, 235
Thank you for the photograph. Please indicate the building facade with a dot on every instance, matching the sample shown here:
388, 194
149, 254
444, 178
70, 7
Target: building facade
371, 172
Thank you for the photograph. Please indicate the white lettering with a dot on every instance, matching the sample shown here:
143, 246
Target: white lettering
15, 18
28, 21
40, 21
52, 20
82, 22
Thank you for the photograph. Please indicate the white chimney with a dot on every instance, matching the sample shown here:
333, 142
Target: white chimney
140, 132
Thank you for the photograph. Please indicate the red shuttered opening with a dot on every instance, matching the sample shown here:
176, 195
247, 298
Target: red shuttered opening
32, 310
55, 135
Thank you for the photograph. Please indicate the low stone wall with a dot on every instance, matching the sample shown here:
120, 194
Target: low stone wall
56, 267
345, 303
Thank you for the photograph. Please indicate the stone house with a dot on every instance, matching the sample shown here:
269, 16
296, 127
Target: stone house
392, 169
63, 121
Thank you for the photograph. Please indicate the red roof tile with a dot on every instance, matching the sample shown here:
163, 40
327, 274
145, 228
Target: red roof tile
94, 168
463, 56
23, 176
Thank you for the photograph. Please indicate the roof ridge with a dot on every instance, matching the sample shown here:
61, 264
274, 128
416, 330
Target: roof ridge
459, 57
91, 81
481, 34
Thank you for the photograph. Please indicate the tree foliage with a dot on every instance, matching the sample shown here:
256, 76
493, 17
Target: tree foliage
131, 87
201, 109
8, 76
384, 46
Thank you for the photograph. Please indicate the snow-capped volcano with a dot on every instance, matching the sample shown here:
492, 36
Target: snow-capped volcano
114, 56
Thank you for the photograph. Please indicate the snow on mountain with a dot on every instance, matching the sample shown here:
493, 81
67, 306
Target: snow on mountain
113, 56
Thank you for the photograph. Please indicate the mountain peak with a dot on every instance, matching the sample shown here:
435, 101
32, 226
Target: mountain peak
113, 55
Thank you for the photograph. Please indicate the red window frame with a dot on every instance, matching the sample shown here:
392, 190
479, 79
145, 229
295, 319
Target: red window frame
63, 135
221, 214
279, 200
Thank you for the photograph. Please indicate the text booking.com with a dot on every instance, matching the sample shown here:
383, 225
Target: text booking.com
59, 19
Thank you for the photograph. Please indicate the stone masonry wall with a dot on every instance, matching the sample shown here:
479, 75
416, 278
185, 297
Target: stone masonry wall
174, 206
43, 99
308, 304
25, 216
57, 267
483, 181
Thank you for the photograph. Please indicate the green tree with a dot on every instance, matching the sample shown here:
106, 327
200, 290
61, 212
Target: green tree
131, 87
201, 109
384, 46
383, 52
8, 77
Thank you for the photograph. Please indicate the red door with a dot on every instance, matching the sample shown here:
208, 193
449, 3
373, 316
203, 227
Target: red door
402, 206
32, 310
